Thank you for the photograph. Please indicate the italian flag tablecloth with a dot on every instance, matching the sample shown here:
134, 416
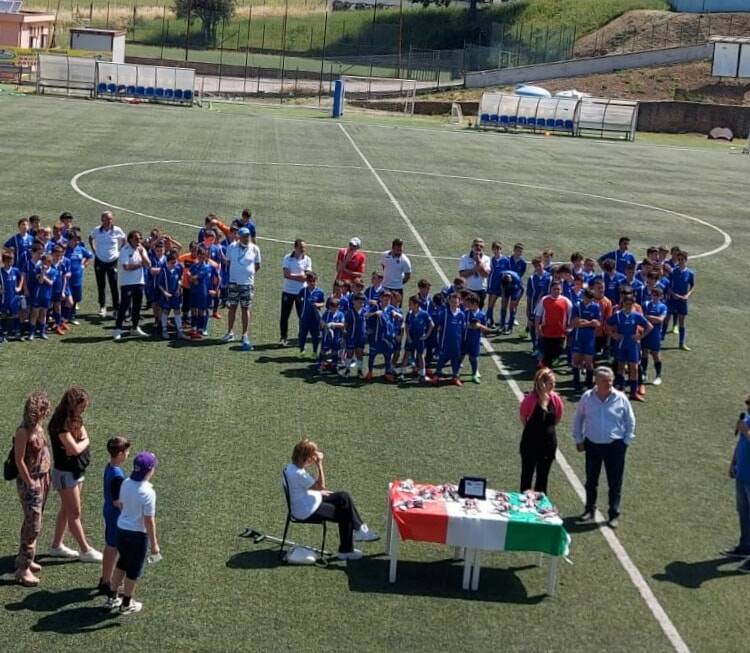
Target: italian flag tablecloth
446, 521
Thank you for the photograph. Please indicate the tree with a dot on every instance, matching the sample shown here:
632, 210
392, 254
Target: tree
210, 12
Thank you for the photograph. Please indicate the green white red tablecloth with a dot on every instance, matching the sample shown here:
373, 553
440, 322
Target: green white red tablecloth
446, 521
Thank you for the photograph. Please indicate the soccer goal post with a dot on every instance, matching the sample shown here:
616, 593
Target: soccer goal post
401, 93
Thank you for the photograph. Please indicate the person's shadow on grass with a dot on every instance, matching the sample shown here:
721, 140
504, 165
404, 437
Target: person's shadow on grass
46, 601
84, 619
693, 574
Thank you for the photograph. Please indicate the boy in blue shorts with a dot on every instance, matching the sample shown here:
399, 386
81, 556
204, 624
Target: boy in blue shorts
40, 295
499, 263
80, 258
432, 344
585, 319
118, 449
312, 300
452, 333
612, 280
476, 325
60, 289
419, 327
511, 287
627, 327
204, 281
157, 259
638, 286
169, 288
537, 287
682, 285
21, 242
332, 325
398, 328
517, 261
381, 329
12, 283
355, 334
656, 312
374, 290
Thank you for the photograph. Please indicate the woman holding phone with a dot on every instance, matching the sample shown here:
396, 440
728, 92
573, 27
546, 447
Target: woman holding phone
309, 497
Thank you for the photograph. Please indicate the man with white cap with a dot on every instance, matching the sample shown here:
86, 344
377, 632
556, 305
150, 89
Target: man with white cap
243, 260
351, 261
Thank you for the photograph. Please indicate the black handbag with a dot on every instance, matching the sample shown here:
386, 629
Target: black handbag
10, 469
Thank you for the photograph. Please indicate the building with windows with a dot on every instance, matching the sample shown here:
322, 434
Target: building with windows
25, 29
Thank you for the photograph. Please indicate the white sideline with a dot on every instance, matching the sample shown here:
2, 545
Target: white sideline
635, 576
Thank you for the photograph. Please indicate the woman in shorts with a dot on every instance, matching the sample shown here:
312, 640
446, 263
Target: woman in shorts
70, 452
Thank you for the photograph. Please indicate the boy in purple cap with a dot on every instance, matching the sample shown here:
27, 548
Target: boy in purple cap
136, 530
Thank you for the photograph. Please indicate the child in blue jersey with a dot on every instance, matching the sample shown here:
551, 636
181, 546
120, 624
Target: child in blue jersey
311, 299
12, 283
432, 344
60, 290
332, 324
27, 266
355, 334
589, 271
612, 280
380, 329
476, 326
576, 263
682, 286
655, 311
157, 259
536, 287
517, 261
40, 295
21, 242
452, 334
419, 327
169, 289
423, 294
58, 238
216, 258
585, 319
375, 290
511, 287
118, 449
547, 259
620, 256
627, 328
204, 281
638, 287
499, 263
398, 328
80, 258
341, 290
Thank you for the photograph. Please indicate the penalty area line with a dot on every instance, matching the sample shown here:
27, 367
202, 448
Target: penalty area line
614, 543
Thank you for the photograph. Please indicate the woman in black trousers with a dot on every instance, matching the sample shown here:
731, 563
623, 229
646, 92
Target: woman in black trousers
540, 412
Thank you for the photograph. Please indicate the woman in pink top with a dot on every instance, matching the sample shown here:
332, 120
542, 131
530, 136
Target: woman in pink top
541, 410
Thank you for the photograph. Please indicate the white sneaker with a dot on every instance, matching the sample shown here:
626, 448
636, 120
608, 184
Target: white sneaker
364, 534
657, 381
117, 334
75, 323
92, 555
140, 332
134, 607
227, 337
63, 551
102, 312
355, 554
112, 603
204, 332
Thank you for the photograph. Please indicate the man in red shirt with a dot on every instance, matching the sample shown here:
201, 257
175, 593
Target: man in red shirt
351, 261
552, 320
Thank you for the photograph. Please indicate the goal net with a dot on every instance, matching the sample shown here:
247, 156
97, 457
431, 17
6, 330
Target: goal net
394, 93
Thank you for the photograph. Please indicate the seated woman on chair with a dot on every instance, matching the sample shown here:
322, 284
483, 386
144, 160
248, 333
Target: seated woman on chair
309, 497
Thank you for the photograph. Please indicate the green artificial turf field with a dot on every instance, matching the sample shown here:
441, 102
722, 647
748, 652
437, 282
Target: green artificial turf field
223, 423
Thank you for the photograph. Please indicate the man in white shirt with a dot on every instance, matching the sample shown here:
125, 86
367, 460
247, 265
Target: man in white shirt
106, 242
396, 268
475, 268
243, 259
295, 266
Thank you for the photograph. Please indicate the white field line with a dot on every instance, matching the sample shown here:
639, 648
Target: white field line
74, 183
635, 576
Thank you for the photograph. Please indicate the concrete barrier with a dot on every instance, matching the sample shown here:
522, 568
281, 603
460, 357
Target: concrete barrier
588, 66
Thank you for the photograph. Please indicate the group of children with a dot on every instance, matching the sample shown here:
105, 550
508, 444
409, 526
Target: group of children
621, 310
43, 268
41, 279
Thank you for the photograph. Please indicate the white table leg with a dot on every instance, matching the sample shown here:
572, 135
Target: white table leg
388, 525
540, 560
458, 552
477, 568
468, 568
552, 575
393, 541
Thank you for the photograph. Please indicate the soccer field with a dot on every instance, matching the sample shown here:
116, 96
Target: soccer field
223, 423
